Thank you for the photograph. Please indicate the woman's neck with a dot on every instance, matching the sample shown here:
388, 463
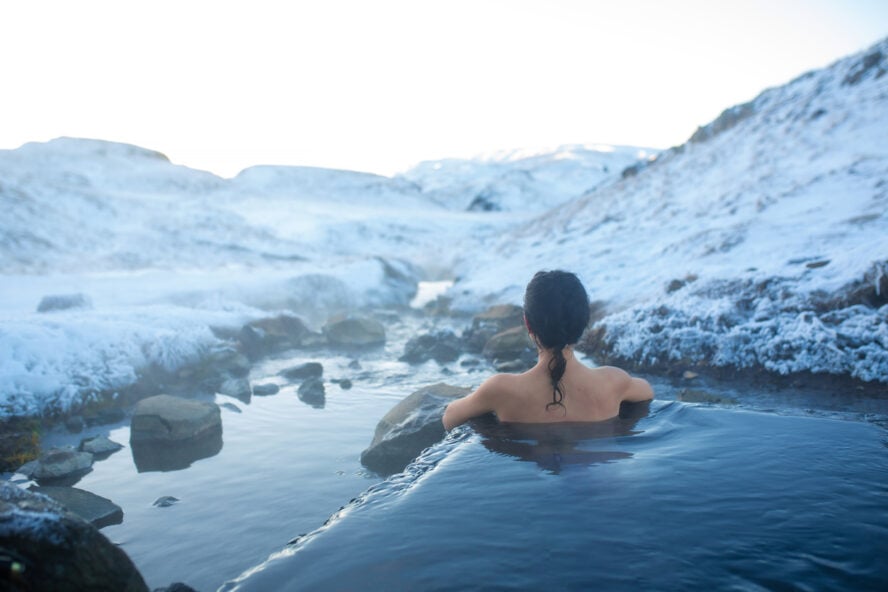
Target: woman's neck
545, 355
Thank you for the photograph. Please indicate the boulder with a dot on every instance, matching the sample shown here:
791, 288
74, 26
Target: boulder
441, 346
170, 419
95, 509
307, 370
263, 390
354, 331
60, 466
264, 336
63, 302
99, 446
409, 428
312, 391
510, 344
239, 388
495, 319
50, 548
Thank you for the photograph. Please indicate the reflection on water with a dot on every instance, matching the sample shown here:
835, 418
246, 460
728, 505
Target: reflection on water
553, 447
174, 456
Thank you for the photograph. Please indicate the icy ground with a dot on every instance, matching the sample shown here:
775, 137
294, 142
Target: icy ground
762, 242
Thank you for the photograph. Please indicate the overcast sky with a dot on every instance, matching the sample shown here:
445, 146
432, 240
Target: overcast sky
380, 85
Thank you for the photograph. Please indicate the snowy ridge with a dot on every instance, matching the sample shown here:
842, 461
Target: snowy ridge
761, 242
523, 181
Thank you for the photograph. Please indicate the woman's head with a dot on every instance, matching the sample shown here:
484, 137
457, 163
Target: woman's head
556, 308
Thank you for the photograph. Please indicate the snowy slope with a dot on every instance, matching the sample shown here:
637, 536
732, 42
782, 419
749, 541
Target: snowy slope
763, 241
523, 181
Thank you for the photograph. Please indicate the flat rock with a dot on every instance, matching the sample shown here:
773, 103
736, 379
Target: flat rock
95, 509
164, 418
354, 331
99, 446
263, 336
58, 550
59, 465
410, 427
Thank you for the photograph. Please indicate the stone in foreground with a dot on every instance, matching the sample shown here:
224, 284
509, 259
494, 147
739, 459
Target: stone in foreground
95, 509
410, 427
51, 548
164, 418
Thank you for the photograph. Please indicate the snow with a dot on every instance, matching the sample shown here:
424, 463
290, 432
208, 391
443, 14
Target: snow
741, 248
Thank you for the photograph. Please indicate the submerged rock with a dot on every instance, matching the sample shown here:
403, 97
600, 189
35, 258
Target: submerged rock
354, 331
409, 428
164, 418
165, 501
50, 548
95, 509
441, 346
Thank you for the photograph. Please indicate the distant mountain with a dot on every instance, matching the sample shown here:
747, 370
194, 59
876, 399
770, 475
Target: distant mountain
524, 181
761, 242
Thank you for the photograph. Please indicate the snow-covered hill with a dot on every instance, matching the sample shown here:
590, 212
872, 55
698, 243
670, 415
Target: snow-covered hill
761, 242
524, 181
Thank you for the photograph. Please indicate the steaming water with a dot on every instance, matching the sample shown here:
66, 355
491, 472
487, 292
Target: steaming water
685, 497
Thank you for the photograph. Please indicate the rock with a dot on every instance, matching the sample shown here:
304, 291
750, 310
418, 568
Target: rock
354, 331
495, 319
263, 336
355, 364
158, 455
165, 418
312, 391
75, 424
47, 547
62, 466
231, 407
95, 509
165, 501
441, 346
99, 446
510, 344
63, 302
239, 388
409, 428
176, 587
263, 390
307, 370
344, 383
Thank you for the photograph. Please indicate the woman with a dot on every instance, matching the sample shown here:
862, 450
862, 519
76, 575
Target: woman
559, 388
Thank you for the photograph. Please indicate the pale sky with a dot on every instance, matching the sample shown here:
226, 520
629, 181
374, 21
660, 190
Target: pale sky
383, 84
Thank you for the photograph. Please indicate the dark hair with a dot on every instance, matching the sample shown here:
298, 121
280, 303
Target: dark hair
556, 307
